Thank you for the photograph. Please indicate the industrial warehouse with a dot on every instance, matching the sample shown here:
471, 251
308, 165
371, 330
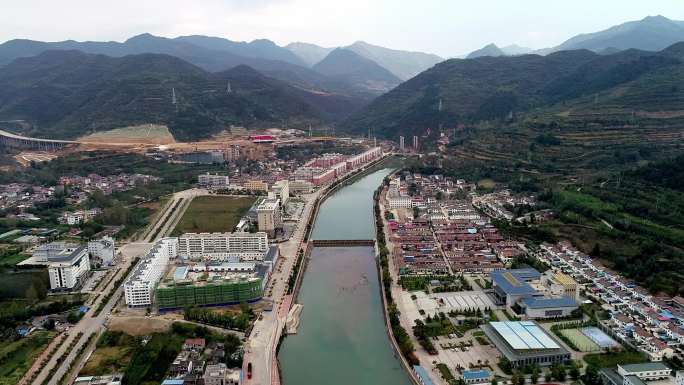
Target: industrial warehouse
525, 343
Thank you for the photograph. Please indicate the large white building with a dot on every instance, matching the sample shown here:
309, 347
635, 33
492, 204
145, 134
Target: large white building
68, 268
399, 202
223, 246
139, 285
213, 180
281, 189
102, 249
268, 216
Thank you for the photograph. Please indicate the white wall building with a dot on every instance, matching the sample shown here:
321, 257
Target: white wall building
268, 216
68, 268
399, 202
213, 180
223, 246
281, 189
139, 285
102, 249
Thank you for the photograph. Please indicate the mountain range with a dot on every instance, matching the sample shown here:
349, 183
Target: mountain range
485, 88
290, 64
653, 33
65, 94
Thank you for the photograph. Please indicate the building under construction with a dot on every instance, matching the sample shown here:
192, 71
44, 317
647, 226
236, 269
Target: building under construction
218, 291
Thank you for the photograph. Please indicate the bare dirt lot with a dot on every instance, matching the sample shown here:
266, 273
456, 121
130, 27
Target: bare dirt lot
140, 326
143, 134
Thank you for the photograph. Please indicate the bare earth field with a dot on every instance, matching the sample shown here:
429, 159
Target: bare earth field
143, 134
140, 326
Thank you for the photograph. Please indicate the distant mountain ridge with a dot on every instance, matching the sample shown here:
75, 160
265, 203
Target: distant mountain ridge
486, 88
653, 33
490, 50
348, 66
65, 94
403, 64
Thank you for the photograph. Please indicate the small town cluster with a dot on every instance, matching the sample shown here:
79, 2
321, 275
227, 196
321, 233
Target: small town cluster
485, 306
169, 271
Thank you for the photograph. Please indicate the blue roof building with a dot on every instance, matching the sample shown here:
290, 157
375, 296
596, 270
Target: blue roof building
513, 289
422, 374
476, 376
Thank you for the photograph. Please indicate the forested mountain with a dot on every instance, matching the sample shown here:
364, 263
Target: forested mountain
349, 67
403, 64
488, 50
209, 53
68, 93
489, 88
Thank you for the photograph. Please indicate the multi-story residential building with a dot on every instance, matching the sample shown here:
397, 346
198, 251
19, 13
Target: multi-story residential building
68, 268
222, 246
213, 180
140, 284
256, 185
268, 216
281, 189
301, 187
399, 202
102, 249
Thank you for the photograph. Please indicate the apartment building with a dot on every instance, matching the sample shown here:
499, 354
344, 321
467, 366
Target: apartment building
213, 180
268, 216
102, 249
281, 189
139, 285
222, 246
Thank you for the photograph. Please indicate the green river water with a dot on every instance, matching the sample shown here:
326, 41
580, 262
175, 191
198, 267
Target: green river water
341, 338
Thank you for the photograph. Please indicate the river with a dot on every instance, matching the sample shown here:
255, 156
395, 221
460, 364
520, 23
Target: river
341, 338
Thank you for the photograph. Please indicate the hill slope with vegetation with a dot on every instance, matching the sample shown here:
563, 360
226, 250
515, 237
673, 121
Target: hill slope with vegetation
65, 94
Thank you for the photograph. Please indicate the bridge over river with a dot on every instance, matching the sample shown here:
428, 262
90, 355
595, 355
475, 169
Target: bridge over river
343, 242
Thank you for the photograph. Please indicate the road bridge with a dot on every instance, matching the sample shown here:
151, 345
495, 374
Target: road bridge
343, 242
10, 140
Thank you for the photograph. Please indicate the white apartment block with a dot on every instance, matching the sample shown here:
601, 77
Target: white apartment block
102, 249
399, 202
268, 216
281, 189
68, 268
213, 180
223, 246
139, 285
301, 187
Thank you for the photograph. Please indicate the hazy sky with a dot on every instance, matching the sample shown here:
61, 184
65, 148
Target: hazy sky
445, 27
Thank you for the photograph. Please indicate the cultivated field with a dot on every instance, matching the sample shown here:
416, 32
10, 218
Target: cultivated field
582, 342
143, 134
213, 214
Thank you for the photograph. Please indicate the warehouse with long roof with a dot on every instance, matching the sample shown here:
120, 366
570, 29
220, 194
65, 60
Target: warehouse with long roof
525, 343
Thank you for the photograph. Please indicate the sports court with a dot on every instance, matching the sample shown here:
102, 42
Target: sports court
600, 338
581, 341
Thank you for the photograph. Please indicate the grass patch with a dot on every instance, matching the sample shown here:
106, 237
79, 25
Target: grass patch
113, 353
446, 373
213, 214
609, 360
17, 357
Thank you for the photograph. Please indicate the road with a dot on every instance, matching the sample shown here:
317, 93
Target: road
162, 228
260, 348
88, 325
